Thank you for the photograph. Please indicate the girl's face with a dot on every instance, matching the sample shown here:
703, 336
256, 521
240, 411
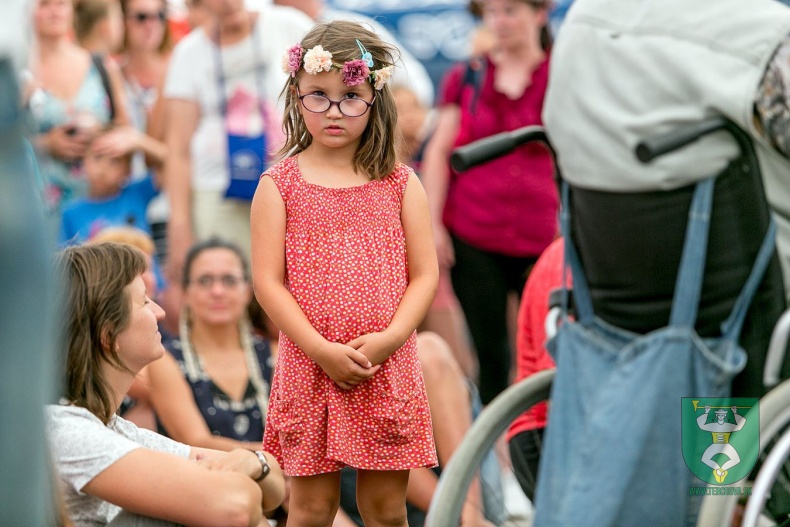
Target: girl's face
145, 24
331, 128
53, 18
217, 293
140, 343
513, 23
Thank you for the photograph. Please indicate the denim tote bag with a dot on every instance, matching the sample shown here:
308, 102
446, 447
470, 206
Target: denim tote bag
612, 449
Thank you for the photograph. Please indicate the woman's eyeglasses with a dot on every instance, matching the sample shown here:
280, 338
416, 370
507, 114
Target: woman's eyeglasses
228, 281
141, 17
321, 103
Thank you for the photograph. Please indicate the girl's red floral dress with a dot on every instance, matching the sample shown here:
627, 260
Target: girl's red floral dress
346, 266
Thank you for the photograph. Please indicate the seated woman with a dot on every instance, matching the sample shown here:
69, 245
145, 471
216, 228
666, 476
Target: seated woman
136, 406
106, 463
212, 389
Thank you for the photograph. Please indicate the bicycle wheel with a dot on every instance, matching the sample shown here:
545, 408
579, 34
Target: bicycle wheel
717, 511
445, 508
767, 477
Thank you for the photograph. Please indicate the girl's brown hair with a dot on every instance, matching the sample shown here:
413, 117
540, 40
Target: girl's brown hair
167, 37
97, 309
376, 154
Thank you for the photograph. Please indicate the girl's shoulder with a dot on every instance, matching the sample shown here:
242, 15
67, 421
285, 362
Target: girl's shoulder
399, 177
284, 174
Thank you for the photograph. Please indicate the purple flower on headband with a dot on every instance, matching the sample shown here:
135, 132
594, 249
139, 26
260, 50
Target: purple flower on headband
355, 72
292, 60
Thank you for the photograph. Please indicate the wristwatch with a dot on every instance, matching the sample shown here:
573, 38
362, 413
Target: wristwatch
264, 465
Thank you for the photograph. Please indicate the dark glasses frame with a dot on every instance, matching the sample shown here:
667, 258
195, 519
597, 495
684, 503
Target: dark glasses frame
333, 103
141, 17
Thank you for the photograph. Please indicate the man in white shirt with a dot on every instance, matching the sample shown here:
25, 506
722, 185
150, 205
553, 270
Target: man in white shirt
213, 91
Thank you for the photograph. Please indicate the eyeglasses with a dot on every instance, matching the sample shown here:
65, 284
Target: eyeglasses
321, 103
141, 17
228, 281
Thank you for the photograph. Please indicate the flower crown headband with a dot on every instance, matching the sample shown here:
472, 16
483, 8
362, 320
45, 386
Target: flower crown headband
317, 59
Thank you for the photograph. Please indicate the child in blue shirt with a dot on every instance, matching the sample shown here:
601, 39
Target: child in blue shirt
111, 201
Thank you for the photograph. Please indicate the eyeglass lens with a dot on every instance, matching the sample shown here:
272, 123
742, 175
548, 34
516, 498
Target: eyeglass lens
142, 17
228, 281
348, 107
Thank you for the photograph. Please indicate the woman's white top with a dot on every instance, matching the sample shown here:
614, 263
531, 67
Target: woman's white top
82, 447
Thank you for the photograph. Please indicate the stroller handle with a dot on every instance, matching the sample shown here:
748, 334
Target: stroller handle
649, 149
497, 145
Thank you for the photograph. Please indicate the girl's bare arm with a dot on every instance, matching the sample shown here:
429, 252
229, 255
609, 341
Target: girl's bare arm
423, 278
345, 365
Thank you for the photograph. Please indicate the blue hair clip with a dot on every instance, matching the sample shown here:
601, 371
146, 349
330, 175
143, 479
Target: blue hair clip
366, 56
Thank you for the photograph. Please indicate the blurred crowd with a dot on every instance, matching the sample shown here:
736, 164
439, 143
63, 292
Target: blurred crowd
150, 123
142, 114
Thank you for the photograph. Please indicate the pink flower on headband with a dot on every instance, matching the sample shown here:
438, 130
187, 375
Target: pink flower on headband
317, 59
292, 59
355, 72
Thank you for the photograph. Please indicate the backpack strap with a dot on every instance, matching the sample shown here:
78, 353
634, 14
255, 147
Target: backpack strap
474, 74
98, 61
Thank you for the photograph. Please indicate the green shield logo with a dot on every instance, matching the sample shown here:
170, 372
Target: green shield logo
721, 437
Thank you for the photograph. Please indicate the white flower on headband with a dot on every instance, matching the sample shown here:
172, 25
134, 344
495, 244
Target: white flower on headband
382, 76
317, 59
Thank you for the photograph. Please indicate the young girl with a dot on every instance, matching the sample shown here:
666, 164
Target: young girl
343, 264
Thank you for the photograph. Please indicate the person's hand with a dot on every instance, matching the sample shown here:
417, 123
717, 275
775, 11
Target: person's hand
734, 410
118, 142
707, 409
377, 347
66, 142
238, 460
345, 365
444, 246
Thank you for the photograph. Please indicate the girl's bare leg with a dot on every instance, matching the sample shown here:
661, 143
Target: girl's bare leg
381, 497
314, 500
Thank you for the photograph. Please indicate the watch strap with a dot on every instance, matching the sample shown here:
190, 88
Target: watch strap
265, 469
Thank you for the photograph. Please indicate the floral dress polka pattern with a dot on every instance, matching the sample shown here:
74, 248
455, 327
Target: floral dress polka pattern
346, 266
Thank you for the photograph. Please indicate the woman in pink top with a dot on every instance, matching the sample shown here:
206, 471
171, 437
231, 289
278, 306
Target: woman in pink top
493, 221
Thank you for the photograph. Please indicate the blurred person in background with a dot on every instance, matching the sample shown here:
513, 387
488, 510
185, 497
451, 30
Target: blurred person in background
196, 13
27, 306
98, 25
212, 388
111, 198
222, 84
444, 316
74, 95
493, 221
144, 57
